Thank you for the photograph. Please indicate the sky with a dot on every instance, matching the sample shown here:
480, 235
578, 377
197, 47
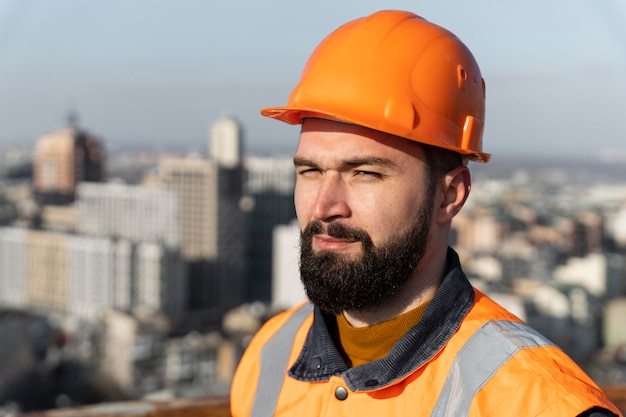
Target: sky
157, 73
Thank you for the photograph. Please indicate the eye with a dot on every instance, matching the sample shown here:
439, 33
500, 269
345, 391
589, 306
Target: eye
368, 174
307, 171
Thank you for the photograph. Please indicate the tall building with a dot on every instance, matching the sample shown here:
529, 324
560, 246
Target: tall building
138, 213
195, 182
287, 289
159, 283
46, 271
269, 186
226, 142
144, 224
62, 159
13, 253
210, 224
86, 275
226, 148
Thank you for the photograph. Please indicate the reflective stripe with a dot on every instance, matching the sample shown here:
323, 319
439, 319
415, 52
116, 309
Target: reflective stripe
479, 359
273, 363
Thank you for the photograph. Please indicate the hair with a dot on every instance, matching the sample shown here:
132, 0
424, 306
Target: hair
440, 162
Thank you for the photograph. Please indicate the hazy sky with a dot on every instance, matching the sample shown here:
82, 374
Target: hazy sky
142, 72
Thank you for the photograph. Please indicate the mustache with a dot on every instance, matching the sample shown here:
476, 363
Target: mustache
336, 230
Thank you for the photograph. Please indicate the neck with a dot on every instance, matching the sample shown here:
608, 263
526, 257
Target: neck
419, 288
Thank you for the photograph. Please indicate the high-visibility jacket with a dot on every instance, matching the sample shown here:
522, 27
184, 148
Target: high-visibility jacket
466, 357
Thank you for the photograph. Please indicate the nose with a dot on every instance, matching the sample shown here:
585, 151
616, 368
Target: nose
330, 202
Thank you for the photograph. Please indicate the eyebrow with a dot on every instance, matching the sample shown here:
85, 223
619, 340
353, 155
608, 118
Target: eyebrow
350, 163
302, 162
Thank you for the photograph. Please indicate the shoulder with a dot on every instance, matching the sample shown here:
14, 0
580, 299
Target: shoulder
286, 321
534, 367
282, 325
275, 336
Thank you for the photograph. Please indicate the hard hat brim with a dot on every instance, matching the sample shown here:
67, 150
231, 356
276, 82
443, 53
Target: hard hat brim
295, 116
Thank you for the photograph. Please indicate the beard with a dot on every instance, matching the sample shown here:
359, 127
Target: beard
337, 282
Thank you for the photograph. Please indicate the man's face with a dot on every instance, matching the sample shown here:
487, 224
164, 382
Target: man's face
364, 206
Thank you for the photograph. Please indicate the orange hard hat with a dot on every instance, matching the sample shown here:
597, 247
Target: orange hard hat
395, 72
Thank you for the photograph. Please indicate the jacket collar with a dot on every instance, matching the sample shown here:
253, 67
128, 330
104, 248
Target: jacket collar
320, 359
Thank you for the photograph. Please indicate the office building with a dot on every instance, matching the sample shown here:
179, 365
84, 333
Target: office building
62, 159
269, 187
134, 212
226, 142
13, 258
83, 275
287, 289
194, 180
210, 232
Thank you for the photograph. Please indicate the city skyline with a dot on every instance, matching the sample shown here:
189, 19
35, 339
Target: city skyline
123, 268
158, 73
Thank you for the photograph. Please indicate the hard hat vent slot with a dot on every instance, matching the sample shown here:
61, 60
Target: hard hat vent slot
462, 77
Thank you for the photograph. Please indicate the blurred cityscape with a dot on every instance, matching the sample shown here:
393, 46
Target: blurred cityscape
142, 275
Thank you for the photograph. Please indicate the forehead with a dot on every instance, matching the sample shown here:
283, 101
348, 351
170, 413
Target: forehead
321, 137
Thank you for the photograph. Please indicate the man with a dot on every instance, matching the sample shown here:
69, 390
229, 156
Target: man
391, 108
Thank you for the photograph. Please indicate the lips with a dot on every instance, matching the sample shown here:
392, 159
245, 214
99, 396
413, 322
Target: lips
333, 237
326, 242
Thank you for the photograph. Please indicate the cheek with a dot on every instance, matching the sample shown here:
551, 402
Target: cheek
381, 214
302, 203
389, 216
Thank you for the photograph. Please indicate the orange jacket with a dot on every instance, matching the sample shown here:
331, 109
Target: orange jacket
467, 357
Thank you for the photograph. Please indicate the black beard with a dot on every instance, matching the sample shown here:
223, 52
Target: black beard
336, 282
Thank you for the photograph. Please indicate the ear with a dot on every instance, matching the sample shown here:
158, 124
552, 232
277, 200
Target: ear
453, 189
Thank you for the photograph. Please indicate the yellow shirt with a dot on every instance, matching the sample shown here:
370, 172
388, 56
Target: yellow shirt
365, 344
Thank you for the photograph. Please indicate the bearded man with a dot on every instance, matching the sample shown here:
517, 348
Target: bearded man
392, 108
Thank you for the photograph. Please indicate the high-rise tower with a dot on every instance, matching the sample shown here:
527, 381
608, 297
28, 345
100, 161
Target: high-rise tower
195, 182
225, 142
269, 185
63, 158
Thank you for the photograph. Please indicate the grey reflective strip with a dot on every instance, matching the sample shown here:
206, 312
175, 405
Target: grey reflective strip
479, 359
273, 363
